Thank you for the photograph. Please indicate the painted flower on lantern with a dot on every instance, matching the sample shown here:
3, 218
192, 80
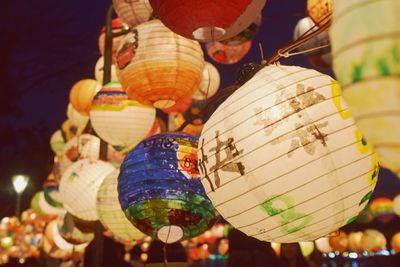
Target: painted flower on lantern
127, 53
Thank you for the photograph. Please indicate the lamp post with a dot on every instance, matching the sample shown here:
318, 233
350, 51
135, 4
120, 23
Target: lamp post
19, 183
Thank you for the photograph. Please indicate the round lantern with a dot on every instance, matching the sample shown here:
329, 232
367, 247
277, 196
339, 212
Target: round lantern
306, 26
306, 248
110, 213
52, 194
319, 10
68, 130
209, 84
181, 107
395, 243
367, 65
158, 67
160, 190
382, 209
76, 231
99, 71
227, 54
76, 119
339, 242
57, 142
79, 185
116, 26
323, 245
373, 241
207, 20
45, 208
133, 12
82, 93
117, 120
247, 34
282, 160
355, 241
365, 216
396, 205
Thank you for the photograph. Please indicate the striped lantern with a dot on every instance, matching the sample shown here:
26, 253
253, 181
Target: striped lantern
207, 20
382, 209
160, 190
79, 185
117, 120
227, 54
46, 208
282, 160
76, 119
99, 71
57, 142
52, 194
366, 48
158, 67
76, 231
133, 12
82, 93
319, 10
209, 83
110, 213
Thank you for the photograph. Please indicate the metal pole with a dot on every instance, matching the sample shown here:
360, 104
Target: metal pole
18, 205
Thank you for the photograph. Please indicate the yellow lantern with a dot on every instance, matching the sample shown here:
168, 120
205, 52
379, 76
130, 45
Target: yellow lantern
282, 160
133, 13
355, 241
99, 71
82, 93
209, 84
339, 242
306, 248
57, 142
323, 245
319, 10
78, 120
395, 243
396, 205
365, 51
158, 67
373, 240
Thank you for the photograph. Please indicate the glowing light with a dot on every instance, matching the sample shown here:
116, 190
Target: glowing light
20, 182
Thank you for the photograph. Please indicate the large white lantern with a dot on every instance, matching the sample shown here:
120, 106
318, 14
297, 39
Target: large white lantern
99, 71
110, 213
76, 119
79, 185
282, 160
209, 84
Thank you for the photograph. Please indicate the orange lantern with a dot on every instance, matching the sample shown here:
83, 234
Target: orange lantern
373, 241
134, 12
319, 10
227, 54
82, 93
339, 242
395, 244
116, 26
355, 241
158, 67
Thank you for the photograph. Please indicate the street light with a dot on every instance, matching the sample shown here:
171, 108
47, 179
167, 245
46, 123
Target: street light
19, 183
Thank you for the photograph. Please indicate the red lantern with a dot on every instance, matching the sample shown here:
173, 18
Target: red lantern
207, 20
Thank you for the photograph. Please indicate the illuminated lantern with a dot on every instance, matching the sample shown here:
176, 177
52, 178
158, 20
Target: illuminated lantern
282, 160
180, 107
68, 130
365, 216
35, 203
79, 185
395, 244
52, 194
116, 26
82, 93
99, 71
339, 242
396, 205
110, 213
160, 190
247, 34
207, 20
43, 207
323, 245
209, 84
355, 241
76, 231
367, 65
382, 209
276, 247
117, 120
306, 248
319, 10
134, 12
57, 142
223, 246
373, 240
76, 119
158, 67
227, 54
192, 129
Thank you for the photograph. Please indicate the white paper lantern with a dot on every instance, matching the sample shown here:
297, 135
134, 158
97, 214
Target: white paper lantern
209, 84
76, 119
133, 12
57, 142
99, 71
79, 185
110, 213
323, 245
47, 208
282, 160
306, 26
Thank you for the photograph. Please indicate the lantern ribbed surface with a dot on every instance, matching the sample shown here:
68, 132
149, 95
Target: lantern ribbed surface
76, 119
110, 212
120, 121
160, 191
134, 12
207, 20
79, 185
366, 62
82, 93
282, 160
158, 67
99, 71
209, 83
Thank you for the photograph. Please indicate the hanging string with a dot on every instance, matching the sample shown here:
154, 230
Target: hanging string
287, 54
165, 255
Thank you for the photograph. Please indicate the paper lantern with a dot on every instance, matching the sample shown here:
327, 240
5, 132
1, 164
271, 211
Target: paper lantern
365, 216
395, 243
82, 93
110, 213
158, 67
382, 209
116, 26
227, 54
52, 194
323, 245
396, 205
282, 160
306, 248
76, 231
355, 241
307, 26
160, 191
69, 131
76, 119
192, 129
45, 208
367, 66
319, 10
209, 83
373, 240
247, 34
57, 142
117, 120
180, 107
79, 185
207, 20
134, 12
99, 71
339, 242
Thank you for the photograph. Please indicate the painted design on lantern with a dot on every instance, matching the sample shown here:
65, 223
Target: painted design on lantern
272, 206
226, 164
302, 135
74, 175
365, 148
127, 52
366, 198
337, 100
188, 159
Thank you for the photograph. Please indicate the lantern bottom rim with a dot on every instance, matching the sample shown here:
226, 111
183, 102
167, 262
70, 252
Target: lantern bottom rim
170, 234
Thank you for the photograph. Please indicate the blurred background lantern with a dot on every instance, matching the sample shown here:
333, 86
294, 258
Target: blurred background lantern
373, 240
52, 194
366, 62
339, 242
282, 160
134, 12
227, 54
323, 245
117, 120
382, 209
396, 205
207, 20
158, 67
180, 107
42, 207
192, 129
69, 131
76, 231
82, 93
110, 213
395, 243
355, 241
306, 248
160, 190
247, 34
365, 216
116, 26
209, 83
76, 119
319, 10
79, 185
57, 142
53, 244
99, 71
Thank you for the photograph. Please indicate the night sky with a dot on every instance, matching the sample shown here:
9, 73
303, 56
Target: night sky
46, 46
